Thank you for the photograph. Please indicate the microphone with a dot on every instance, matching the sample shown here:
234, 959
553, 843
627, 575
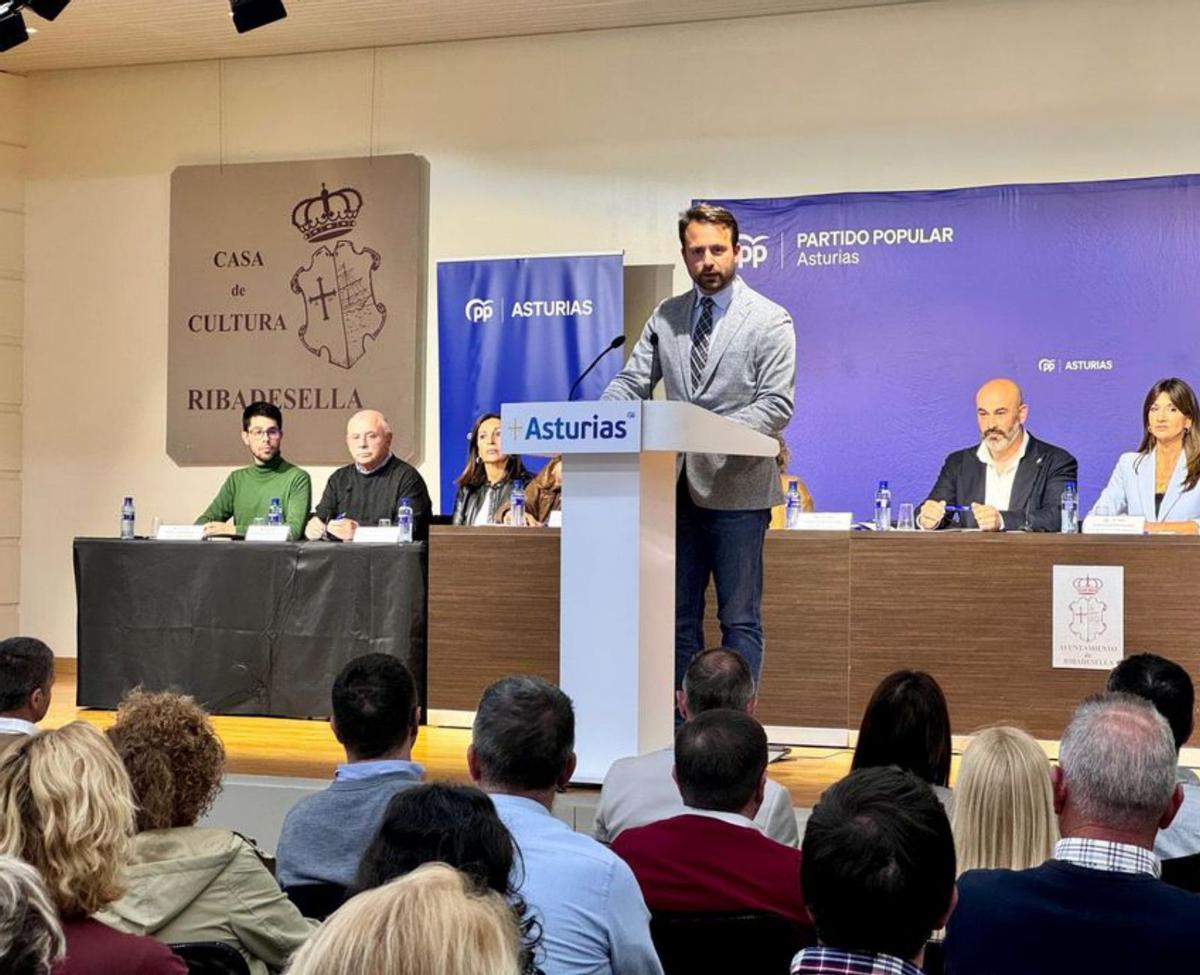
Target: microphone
614, 344
655, 364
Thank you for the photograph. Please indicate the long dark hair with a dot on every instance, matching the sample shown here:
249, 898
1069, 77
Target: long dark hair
474, 472
459, 826
906, 724
1184, 400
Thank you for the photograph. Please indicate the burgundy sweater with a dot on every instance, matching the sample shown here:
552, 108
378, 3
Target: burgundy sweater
96, 949
697, 863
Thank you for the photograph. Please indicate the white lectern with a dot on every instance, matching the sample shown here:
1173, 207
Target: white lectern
617, 606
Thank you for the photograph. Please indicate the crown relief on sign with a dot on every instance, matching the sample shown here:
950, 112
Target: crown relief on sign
327, 215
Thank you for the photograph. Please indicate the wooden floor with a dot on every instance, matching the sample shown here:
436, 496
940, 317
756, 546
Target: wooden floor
280, 746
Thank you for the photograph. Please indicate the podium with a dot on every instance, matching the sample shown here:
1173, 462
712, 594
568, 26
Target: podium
617, 604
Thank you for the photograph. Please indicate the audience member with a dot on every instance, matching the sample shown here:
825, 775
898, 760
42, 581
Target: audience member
1098, 905
907, 724
187, 883
713, 857
640, 790
67, 809
1003, 803
433, 921
1168, 687
375, 717
486, 482
456, 825
591, 912
543, 495
878, 875
31, 939
26, 677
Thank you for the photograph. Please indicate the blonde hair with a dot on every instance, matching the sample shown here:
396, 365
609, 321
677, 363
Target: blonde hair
66, 808
1004, 803
432, 921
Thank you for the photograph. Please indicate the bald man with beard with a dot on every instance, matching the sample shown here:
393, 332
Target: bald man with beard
1009, 481
370, 489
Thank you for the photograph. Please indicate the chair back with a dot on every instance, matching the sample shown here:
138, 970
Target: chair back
211, 958
316, 901
935, 958
1183, 872
746, 941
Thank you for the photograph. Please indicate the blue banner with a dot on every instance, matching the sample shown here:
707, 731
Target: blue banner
520, 329
904, 303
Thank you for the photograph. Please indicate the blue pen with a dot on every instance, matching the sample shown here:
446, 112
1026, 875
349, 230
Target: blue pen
958, 507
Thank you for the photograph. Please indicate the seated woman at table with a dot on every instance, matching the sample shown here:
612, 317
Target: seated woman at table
486, 482
543, 495
1158, 480
907, 724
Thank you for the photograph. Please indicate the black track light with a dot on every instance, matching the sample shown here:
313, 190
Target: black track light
12, 30
47, 9
250, 14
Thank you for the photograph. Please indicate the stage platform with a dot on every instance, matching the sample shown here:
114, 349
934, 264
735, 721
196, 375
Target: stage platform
307, 749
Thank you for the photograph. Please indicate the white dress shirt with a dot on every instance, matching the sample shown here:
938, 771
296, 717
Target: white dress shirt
998, 490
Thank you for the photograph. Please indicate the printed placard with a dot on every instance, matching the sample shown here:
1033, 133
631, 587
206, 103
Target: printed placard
267, 533
1089, 616
377, 535
180, 533
825, 521
1114, 525
598, 427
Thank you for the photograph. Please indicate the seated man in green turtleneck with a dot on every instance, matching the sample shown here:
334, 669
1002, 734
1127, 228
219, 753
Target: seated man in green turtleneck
247, 492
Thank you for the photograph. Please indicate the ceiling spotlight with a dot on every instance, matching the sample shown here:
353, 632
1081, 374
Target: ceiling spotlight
250, 14
12, 29
47, 9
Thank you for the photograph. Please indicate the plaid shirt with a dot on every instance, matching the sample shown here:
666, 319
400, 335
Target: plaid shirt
1106, 855
835, 961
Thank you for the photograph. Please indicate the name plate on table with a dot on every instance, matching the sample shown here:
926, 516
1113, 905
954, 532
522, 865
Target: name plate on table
267, 533
600, 427
825, 521
180, 533
1114, 525
377, 535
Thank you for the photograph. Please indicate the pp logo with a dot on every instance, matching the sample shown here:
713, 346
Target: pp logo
480, 310
752, 250
1047, 365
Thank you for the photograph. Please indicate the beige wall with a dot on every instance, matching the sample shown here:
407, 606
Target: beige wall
578, 142
13, 143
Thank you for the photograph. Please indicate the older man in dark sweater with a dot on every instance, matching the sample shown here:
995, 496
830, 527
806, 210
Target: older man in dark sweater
375, 717
370, 489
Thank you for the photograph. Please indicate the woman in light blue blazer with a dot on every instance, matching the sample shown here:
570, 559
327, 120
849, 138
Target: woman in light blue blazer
1158, 481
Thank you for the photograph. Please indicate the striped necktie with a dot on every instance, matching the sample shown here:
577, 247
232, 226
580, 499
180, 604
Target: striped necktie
700, 341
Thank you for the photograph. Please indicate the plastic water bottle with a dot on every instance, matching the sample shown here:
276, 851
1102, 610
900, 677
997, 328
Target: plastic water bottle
127, 518
1070, 509
883, 507
275, 512
404, 518
792, 509
517, 500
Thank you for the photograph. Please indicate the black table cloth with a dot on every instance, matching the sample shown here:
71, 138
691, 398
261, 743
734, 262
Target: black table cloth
245, 627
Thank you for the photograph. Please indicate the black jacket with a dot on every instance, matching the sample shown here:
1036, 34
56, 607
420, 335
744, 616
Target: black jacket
1035, 502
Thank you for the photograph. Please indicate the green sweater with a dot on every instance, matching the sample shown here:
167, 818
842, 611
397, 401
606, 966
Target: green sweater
247, 493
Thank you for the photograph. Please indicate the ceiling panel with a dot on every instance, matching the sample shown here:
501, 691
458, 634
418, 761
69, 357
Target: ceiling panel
95, 33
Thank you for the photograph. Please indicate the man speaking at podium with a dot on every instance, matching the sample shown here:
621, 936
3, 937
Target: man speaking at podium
727, 349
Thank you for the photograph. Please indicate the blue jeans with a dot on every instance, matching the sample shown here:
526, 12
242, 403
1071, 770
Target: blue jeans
727, 545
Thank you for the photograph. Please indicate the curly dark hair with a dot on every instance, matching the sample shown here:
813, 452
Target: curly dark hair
172, 754
457, 825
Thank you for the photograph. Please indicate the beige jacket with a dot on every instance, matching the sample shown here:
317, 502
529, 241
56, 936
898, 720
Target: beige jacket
195, 884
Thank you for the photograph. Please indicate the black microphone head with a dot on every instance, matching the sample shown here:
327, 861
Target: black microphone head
654, 339
617, 342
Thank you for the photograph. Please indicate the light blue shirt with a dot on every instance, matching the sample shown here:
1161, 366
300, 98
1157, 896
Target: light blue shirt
594, 919
721, 302
1182, 837
356, 771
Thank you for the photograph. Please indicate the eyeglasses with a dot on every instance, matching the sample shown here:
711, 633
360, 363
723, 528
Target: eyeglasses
270, 433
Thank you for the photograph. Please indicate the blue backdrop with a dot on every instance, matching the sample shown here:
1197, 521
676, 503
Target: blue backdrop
904, 303
518, 329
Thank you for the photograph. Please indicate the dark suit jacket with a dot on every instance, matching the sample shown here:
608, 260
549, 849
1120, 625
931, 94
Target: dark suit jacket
1061, 918
1037, 489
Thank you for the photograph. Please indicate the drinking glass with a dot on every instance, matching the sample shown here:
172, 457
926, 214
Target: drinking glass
905, 522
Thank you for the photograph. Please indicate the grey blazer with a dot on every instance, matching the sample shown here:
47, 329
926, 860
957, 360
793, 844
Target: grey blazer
750, 377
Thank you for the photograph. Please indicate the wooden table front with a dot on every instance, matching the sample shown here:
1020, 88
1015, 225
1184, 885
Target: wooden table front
840, 612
